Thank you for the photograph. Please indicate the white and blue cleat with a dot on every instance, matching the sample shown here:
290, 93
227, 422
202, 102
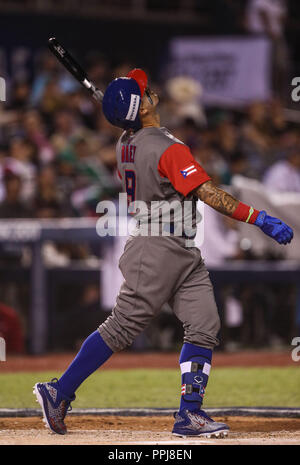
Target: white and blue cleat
198, 423
54, 407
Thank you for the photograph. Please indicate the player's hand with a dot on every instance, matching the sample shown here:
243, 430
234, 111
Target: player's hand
274, 228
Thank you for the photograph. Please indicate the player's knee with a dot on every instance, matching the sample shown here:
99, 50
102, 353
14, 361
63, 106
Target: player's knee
204, 333
116, 340
120, 334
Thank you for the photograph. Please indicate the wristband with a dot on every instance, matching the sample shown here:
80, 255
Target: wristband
245, 213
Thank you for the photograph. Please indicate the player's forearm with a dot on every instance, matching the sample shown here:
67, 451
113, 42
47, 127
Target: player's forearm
217, 198
225, 203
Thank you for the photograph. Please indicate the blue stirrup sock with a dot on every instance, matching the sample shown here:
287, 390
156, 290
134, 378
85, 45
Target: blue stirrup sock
195, 363
93, 353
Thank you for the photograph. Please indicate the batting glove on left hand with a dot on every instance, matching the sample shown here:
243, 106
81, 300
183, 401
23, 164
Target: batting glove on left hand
274, 228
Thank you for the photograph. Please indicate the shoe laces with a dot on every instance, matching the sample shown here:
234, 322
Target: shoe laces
203, 414
65, 398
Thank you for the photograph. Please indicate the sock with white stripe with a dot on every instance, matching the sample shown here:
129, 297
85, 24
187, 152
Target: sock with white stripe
195, 363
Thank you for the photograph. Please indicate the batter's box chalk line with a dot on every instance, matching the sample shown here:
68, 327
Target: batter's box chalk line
275, 412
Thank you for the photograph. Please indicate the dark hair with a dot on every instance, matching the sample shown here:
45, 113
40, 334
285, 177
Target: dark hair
237, 156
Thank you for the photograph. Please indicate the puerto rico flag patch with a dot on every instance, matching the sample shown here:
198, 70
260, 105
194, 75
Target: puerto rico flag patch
189, 170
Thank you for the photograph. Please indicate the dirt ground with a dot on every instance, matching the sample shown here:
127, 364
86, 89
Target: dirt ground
114, 430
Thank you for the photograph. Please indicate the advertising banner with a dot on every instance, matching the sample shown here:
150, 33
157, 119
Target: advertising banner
233, 70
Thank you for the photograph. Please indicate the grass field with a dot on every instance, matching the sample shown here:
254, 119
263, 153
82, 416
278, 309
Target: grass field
161, 388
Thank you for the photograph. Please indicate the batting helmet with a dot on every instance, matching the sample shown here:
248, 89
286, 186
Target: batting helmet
122, 99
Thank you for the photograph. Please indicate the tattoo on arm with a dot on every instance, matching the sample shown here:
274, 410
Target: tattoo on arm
217, 198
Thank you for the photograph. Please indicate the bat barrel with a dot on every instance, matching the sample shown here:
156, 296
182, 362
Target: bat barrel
68, 61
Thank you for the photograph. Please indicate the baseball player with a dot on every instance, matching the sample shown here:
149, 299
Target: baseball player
164, 266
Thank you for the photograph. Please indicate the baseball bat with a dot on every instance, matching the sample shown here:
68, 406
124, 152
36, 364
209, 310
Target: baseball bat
69, 62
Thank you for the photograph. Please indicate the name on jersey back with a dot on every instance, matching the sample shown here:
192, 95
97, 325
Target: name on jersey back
128, 153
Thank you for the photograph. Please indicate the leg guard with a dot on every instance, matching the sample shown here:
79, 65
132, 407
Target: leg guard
194, 379
194, 374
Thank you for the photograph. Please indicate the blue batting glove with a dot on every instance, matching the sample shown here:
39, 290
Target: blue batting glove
274, 228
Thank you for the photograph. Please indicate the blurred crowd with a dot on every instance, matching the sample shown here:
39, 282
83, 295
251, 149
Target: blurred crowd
57, 152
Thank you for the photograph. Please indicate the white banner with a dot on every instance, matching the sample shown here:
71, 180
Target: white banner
231, 70
2, 350
2, 90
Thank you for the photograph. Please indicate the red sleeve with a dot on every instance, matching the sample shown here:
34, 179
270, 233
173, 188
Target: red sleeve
119, 175
179, 166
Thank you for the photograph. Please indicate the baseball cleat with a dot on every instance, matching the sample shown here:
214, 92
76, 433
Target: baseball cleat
198, 423
54, 405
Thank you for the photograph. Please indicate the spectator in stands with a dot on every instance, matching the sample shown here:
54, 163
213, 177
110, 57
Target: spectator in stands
105, 132
290, 137
22, 160
226, 137
211, 160
94, 170
268, 17
13, 206
52, 98
277, 121
48, 193
284, 176
108, 160
49, 69
98, 69
237, 165
36, 131
65, 128
20, 93
83, 108
66, 174
256, 140
183, 104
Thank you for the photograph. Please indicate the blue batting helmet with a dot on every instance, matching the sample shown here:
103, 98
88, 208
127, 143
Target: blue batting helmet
122, 100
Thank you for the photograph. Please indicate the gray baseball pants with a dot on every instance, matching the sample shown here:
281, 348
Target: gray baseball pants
158, 270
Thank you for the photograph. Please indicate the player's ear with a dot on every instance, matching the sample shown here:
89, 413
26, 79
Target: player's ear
143, 111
